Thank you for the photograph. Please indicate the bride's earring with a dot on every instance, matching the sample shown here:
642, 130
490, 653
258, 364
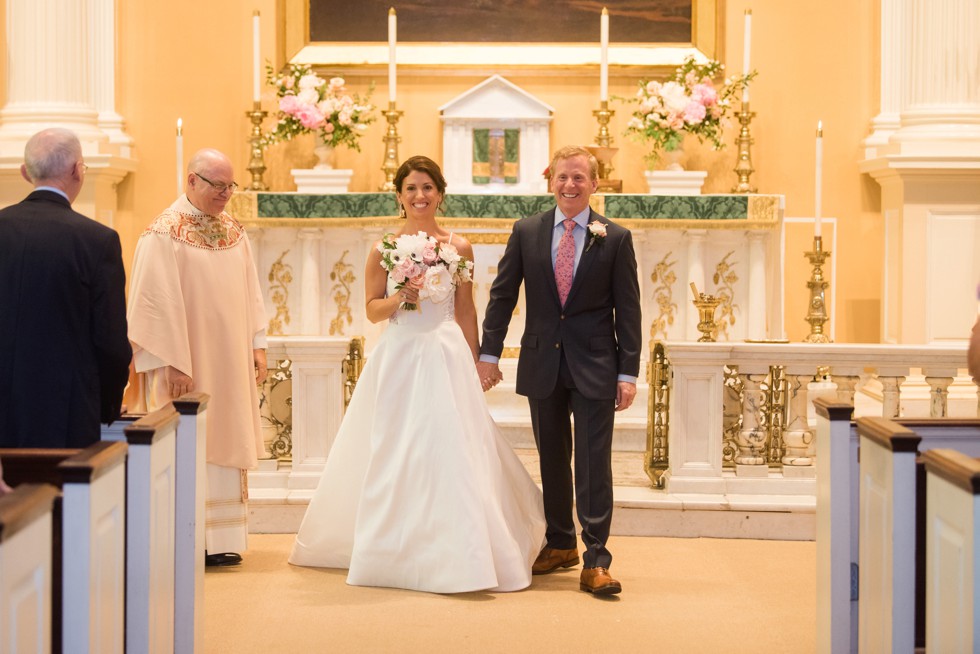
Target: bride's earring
401, 211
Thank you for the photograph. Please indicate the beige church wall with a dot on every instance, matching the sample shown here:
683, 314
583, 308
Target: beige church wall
817, 61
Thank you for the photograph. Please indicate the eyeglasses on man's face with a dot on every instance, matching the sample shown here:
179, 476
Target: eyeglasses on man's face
220, 188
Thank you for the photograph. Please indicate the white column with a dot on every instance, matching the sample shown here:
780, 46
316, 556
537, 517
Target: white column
757, 310
310, 281
695, 274
891, 83
941, 110
48, 70
102, 42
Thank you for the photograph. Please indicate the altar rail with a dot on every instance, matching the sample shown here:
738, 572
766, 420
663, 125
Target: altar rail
733, 418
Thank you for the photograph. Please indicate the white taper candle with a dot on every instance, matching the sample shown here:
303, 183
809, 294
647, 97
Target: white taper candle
256, 58
604, 55
392, 40
746, 50
180, 156
819, 180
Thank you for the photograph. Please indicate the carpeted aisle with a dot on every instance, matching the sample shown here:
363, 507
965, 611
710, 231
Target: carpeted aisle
680, 595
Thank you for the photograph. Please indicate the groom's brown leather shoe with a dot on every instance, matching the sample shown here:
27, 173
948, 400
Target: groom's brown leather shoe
551, 559
598, 582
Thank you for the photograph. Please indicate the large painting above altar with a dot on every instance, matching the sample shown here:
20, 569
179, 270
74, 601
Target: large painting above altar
510, 21
431, 33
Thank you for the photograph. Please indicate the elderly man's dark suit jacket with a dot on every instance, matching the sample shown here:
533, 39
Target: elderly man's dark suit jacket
64, 355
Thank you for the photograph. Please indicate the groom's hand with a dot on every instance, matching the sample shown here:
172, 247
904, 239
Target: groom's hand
625, 392
489, 373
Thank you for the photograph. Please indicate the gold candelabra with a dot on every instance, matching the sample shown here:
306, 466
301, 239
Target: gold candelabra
391, 140
706, 305
743, 168
256, 165
603, 150
816, 314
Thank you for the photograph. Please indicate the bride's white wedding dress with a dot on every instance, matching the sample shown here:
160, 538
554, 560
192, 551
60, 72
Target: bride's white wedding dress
420, 489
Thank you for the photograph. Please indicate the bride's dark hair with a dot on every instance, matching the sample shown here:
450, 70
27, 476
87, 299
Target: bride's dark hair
420, 164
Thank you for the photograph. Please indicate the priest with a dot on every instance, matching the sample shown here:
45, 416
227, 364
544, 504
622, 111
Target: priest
197, 323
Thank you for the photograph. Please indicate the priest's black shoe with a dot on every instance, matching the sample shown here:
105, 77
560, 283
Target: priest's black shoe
225, 559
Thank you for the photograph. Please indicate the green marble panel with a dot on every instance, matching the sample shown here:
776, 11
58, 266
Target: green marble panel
341, 205
623, 206
496, 206
677, 207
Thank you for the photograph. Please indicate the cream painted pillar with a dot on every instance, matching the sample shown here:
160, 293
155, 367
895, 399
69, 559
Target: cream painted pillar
310, 281
891, 82
929, 169
757, 310
61, 72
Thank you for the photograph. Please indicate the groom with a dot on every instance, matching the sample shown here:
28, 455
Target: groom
580, 355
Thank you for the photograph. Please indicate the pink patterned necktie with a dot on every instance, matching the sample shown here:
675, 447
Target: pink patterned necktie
565, 261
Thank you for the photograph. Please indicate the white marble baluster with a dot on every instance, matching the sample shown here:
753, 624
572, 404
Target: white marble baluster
757, 310
797, 437
938, 395
310, 281
845, 386
891, 405
751, 457
695, 275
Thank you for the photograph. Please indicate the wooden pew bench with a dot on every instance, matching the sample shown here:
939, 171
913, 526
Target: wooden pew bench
26, 545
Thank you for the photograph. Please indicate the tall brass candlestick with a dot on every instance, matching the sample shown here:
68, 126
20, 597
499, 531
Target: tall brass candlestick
391, 140
817, 312
256, 164
743, 168
604, 140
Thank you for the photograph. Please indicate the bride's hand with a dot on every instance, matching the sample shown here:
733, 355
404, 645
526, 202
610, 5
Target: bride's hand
409, 294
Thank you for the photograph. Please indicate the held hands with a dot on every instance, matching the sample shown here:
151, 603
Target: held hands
625, 392
178, 383
489, 373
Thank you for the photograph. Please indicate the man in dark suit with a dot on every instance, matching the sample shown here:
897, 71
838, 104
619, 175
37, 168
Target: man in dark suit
64, 355
580, 355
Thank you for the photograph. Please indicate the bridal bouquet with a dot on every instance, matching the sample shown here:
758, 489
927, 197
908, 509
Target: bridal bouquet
687, 103
310, 104
436, 267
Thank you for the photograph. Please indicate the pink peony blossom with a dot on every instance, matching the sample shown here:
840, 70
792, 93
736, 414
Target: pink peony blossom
405, 269
694, 113
429, 255
309, 117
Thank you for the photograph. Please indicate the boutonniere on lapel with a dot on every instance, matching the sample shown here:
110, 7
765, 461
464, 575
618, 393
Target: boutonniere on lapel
597, 232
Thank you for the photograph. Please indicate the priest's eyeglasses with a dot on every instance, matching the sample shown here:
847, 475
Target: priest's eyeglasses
220, 188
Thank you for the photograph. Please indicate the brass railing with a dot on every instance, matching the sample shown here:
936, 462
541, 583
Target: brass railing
352, 366
655, 460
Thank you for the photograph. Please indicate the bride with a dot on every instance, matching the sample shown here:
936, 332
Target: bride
420, 489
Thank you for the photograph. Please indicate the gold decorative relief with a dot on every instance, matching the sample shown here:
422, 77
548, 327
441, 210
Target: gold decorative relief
280, 277
725, 279
343, 275
276, 408
352, 366
731, 415
663, 276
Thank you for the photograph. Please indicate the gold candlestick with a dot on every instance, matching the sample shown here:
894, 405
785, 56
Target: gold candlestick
391, 140
603, 114
706, 305
743, 168
817, 313
256, 164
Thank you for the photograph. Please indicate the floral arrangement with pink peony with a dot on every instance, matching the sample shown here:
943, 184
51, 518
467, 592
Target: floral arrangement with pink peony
437, 268
687, 103
309, 103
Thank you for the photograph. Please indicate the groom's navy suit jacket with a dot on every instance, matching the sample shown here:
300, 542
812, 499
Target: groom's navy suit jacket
599, 327
64, 354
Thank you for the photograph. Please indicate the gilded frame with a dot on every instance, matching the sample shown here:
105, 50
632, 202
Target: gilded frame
707, 17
